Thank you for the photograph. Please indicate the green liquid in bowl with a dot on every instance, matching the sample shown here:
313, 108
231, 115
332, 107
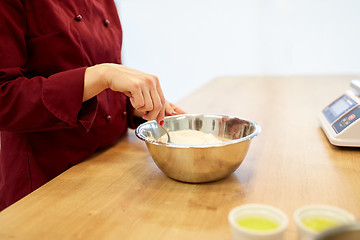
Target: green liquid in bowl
258, 224
319, 224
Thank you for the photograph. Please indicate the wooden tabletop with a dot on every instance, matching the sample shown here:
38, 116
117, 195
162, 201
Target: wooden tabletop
121, 194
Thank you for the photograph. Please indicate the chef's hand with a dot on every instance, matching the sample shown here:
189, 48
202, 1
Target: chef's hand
143, 89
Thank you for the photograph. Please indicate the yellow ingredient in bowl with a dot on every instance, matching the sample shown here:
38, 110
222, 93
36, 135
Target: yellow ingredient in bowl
319, 224
256, 223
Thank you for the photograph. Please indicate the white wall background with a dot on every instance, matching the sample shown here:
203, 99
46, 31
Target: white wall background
187, 43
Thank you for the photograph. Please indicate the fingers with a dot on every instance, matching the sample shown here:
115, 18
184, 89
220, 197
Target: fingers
157, 111
138, 113
143, 89
148, 97
161, 116
147, 101
177, 109
137, 98
171, 109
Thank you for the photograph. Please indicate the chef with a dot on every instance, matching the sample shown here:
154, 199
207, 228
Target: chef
63, 92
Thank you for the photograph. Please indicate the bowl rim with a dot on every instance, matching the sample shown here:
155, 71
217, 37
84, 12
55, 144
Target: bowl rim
176, 145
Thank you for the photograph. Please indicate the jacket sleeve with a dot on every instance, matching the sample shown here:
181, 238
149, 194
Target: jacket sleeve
35, 103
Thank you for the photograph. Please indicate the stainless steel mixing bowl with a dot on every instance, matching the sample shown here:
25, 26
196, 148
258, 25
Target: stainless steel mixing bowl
199, 163
345, 232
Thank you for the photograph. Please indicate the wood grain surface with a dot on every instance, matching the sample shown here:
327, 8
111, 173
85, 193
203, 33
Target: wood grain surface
121, 194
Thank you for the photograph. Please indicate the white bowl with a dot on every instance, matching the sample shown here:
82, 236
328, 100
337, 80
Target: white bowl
262, 215
311, 220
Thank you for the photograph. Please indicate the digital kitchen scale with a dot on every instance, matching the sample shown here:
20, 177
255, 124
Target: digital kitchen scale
340, 120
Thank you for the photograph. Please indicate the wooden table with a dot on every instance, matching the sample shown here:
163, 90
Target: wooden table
121, 194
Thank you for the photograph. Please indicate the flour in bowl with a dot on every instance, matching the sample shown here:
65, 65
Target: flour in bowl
191, 137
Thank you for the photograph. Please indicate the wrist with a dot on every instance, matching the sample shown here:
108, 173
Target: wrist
98, 72
95, 81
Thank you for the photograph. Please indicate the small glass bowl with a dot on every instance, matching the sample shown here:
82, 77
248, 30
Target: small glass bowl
257, 222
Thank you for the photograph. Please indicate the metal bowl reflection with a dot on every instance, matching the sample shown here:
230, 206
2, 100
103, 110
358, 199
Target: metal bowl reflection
203, 162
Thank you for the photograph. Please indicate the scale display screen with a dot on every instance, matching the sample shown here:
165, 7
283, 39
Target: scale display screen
338, 108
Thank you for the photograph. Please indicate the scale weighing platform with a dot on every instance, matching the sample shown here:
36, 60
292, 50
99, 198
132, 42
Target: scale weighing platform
340, 120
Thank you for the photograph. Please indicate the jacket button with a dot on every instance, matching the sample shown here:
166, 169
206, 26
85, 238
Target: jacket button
108, 118
106, 22
78, 18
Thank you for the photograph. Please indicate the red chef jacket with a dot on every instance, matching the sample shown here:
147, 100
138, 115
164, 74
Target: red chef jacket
45, 47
